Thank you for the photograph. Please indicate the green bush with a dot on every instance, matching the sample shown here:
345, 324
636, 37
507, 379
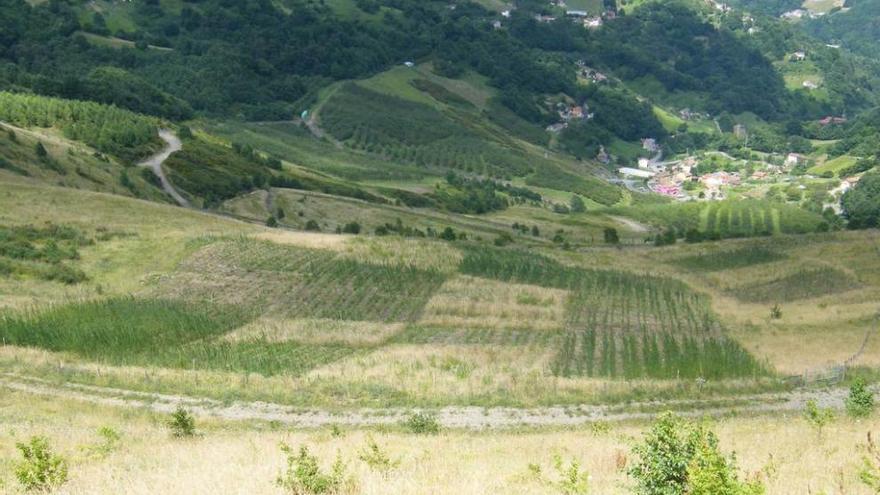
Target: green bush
303, 476
817, 417
312, 226
182, 424
377, 459
678, 458
351, 228
572, 480
422, 424
40, 469
860, 402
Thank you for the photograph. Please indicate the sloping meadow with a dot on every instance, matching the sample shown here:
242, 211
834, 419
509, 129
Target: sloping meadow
251, 306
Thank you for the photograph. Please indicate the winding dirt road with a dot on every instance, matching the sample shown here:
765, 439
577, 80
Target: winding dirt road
154, 163
475, 418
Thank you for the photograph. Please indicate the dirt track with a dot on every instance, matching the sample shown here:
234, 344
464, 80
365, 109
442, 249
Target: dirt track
154, 163
476, 418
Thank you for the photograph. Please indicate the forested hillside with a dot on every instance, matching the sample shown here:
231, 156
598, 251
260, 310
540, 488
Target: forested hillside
262, 61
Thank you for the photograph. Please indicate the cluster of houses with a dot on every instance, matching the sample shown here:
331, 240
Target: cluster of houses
590, 73
569, 113
675, 178
588, 20
831, 120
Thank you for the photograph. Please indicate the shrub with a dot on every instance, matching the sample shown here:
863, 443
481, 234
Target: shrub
271, 222
860, 402
422, 424
303, 476
312, 226
572, 481
677, 458
710, 473
817, 417
775, 312
448, 234
40, 469
182, 424
611, 236
351, 228
109, 442
377, 459
40, 150
503, 240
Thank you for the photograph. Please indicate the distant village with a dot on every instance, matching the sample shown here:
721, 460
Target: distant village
683, 180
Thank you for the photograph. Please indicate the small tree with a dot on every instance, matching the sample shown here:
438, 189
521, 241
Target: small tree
860, 403
710, 473
577, 204
271, 222
817, 417
303, 476
351, 228
40, 469
663, 456
677, 458
536, 232
572, 480
182, 423
377, 459
40, 150
312, 226
775, 312
611, 236
448, 234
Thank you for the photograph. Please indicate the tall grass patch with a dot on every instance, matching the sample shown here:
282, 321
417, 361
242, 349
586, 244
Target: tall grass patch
120, 330
155, 332
803, 284
729, 260
297, 282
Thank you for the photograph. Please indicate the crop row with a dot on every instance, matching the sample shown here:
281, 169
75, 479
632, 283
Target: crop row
652, 355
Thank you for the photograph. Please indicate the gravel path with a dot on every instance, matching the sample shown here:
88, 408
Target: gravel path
154, 163
475, 418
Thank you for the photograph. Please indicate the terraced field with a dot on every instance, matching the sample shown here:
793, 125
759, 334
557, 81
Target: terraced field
727, 219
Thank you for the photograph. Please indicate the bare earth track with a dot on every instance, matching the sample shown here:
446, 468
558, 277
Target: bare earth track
154, 163
475, 418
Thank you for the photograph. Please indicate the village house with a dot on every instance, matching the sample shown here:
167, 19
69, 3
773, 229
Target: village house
798, 56
794, 159
577, 13
603, 156
635, 172
557, 128
650, 144
740, 131
811, 85
593, 22
829, 120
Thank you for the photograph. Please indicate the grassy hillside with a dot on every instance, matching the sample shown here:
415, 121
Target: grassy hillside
392, 321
